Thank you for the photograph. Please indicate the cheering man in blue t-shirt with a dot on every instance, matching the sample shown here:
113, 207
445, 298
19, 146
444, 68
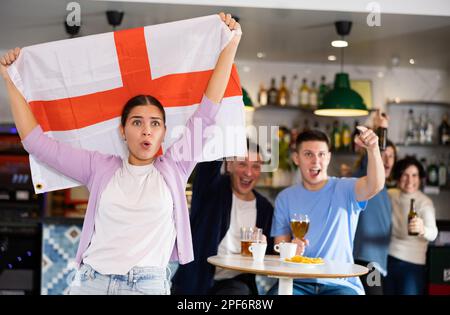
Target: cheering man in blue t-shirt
332, 205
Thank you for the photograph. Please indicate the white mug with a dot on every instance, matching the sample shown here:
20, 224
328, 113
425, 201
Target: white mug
286, 250
258, 251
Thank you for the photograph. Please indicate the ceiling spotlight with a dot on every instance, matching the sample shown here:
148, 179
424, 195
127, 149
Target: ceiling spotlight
395, 61
331, 58
261, 55
339, 43
412, 61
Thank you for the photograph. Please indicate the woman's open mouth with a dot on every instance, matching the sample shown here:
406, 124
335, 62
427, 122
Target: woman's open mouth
146, 145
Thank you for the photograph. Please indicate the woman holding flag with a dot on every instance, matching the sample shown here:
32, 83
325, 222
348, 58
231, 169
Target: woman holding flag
137, 217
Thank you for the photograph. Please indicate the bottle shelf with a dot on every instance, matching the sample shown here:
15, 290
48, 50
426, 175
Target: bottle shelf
286, 107
435, 190
424, 145
420, 103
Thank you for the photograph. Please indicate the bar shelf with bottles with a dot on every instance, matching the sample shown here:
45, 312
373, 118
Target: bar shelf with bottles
421, 129
297, 97
306, 98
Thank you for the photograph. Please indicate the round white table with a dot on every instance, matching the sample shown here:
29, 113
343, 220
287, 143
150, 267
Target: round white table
273, 266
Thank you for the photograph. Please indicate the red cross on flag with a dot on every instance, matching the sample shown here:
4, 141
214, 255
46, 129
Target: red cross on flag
77, 88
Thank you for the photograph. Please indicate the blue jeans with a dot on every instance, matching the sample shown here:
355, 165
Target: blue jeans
139, 281
303, 288
404, 278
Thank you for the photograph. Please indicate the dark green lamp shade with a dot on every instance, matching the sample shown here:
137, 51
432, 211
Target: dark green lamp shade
342, 101
247, 100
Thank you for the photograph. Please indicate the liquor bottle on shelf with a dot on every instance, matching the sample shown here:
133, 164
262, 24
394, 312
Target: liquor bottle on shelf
433, 174
306, 125
262, 95
346, 137
283, 93
313, 97
442, 173
444, 131
354, 134
304, 94
422, 129
429, 130
294, 91
424, 163
448, 166
336, 137
294, 135
411, 131
323, 89
316, 125
328, 131
411, 215
272, 93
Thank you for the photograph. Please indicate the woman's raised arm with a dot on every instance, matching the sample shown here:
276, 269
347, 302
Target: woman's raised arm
22, 114
221, 75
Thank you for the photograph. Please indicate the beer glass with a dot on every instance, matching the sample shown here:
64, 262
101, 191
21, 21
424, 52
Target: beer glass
299, 225
249, 235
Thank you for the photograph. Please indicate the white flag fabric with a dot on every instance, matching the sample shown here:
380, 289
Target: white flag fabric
78, 87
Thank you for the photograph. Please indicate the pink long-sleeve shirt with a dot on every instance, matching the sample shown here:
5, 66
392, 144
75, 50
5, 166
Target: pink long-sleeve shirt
94, 170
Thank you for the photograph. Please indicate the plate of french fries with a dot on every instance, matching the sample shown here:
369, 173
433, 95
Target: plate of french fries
303, 260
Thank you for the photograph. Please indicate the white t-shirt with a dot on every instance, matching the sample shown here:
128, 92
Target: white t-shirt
406, 247
243, 214
134, 224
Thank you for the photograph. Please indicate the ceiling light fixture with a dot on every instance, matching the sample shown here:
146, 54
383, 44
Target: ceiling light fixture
339, 43
342, 101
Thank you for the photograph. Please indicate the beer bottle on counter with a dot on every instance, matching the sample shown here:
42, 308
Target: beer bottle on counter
411, 215
273, 93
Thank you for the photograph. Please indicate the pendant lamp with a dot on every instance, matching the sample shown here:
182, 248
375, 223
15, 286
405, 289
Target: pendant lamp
342, 101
